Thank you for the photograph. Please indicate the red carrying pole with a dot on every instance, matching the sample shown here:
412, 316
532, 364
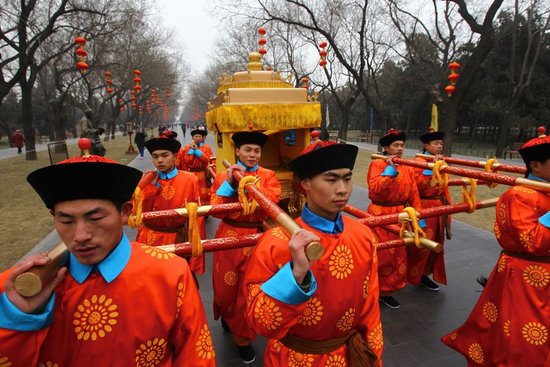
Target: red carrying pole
482, 164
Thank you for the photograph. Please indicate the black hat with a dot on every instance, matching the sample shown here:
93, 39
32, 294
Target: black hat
84, 179
249, 137
391, 136
199, 130
431, 135
537, 149
163, 143
323, 156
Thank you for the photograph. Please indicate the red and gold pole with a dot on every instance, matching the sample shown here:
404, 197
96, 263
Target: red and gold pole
481, 164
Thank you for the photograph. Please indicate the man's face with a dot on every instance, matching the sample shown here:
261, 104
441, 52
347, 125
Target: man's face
164, 160
197, 138
329, 192
541, 169
396, 148
249, 154
434, 147
91, 228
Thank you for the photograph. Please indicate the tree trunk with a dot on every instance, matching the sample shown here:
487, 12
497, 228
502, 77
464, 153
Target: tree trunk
26, 120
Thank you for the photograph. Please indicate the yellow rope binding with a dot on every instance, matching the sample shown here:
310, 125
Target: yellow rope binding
442, 179
489, 168
248, 207
194, 231
134, 220
412, 226
470, 197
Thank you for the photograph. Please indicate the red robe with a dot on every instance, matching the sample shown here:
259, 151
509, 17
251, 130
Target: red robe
150, 315
509, 325
230, 265
422, 261
172, 193
197, 165
399, 190
346, 298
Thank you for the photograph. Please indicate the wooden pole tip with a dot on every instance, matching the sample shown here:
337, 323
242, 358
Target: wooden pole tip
28, 284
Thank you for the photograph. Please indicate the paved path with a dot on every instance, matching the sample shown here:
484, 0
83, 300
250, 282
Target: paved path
411, 333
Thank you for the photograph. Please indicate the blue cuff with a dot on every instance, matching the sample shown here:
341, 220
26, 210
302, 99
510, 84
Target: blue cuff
226, 190
427, 172
198, 152
283, 287
191, 152
545, 220
390, 171
422, 223
12, 318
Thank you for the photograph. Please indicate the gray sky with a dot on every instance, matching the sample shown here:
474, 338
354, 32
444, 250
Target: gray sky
194, 27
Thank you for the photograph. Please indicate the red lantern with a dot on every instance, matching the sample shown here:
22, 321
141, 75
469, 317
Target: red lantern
450, 89
323, 54
108, 74
323, 44
262, 41
305, 79
262, 31
81, 54
454, 66
137, 80
453, 78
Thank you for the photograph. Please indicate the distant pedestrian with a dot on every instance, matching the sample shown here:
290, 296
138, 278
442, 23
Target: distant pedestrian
18, 140
139, 139
184, 128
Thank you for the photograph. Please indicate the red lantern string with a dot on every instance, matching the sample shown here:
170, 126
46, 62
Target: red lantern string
323, 54
453, 78
305, 79
108, 82
137, 81
81, 54
262, 41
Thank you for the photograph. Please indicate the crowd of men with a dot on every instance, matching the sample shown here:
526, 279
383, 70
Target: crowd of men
121, 302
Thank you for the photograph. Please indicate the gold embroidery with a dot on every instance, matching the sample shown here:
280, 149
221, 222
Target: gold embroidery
366, 286
490, 311
375, 340
336, 361
95, 317
157, 253
230, 278
267, 313
168, 192
345, 322
536, 275
151, 353
475, 352
312, 313
535, 333
204, 345
501, 263
5, 361
506, 327
341, 262
296, 359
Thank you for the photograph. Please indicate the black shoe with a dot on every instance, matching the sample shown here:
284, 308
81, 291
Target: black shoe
428, 283
390, 302
247, 353
224, 325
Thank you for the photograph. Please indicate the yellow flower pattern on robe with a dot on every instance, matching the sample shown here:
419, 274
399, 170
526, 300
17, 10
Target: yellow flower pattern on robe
535, 333
501, 212
94, 318
526, 239
5, 361
268, 314
366, 286
345, 323
230, 278
490, 311
204, 345
536, 276
336, 361
375, 339
151, 353
157, 252
501, 264
312, 313
296, 359
341, 262
168, 192
475, 352
507, 325
496, 229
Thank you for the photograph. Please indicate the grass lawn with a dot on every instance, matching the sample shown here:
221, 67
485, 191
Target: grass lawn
24, 219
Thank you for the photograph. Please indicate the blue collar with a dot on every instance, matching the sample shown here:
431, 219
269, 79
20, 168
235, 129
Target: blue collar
322, 224
167, 176
109, 268
248, 169
200, 144
533, 177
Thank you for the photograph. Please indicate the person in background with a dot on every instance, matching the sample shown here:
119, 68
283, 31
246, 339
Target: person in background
164, 188
509, 325
139, 139
391, 188
230, 266
113, 303
421, 261
18, 140
325, 312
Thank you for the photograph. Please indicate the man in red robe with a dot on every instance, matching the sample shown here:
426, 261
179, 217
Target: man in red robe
114, 302
230, 265
421, 261
325, 312
163, 188
195, 158
509, 325
391, 188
